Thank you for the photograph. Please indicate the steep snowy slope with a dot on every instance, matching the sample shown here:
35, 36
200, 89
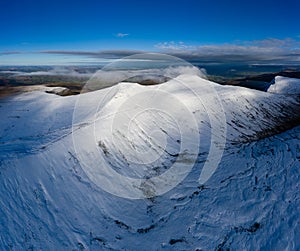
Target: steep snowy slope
63, 158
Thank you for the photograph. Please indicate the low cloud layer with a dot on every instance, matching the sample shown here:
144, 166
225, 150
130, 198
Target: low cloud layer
268, 51
262, 51
55, 71
106, 78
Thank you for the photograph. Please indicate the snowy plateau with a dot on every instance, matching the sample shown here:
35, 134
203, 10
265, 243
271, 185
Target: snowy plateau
53, 149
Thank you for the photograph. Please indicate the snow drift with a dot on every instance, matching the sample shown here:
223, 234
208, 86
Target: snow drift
284, 85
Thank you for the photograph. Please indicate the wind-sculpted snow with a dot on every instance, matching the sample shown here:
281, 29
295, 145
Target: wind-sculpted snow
284, 85
49, 200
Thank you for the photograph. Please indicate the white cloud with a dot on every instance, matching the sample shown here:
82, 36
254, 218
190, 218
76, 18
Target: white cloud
173, 46
106, 78
122, 35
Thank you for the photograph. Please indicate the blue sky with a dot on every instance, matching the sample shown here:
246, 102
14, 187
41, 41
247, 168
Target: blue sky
29, 26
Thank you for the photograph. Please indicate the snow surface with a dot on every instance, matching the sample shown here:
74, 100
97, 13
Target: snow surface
49, 200
284, 85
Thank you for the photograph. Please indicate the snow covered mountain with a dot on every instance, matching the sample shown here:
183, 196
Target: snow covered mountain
185, 165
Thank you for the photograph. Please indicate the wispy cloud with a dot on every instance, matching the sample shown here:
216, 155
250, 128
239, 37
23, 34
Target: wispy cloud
122, 35
3, 53
172, 45
112, 54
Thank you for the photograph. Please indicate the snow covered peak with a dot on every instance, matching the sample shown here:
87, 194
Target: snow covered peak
285, 85
51, 201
